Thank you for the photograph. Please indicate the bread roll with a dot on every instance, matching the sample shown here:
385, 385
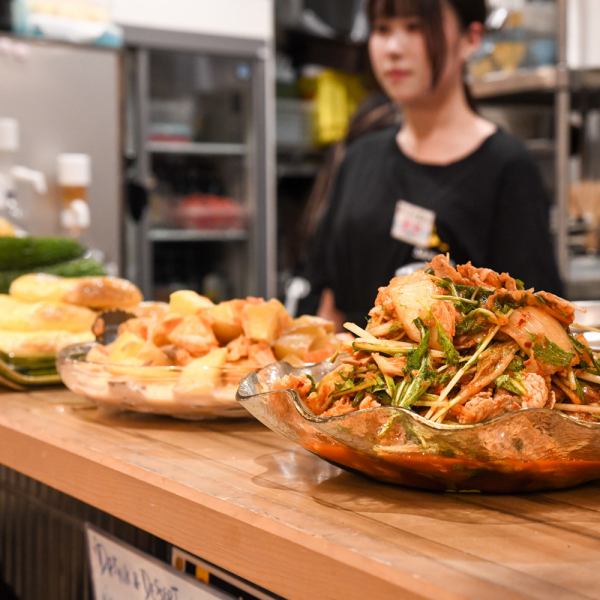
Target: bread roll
40, 343
43, 316
98, 293
39, 287
102, 293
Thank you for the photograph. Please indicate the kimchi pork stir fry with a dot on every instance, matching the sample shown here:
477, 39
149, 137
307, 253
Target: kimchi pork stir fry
461, 345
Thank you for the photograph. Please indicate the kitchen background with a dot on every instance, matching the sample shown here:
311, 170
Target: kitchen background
203, 125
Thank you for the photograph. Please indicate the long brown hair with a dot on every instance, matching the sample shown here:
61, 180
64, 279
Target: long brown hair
430, 12
377, 111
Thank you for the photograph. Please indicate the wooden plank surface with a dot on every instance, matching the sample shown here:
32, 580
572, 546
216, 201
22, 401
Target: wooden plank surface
251, 502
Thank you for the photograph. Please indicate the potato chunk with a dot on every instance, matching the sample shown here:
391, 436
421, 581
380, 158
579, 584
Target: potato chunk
188, 302
202, 375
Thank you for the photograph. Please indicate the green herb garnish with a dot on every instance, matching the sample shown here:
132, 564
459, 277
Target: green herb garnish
415, 357
516, 364
579, 390
471, 324
418, 386
452, 355
358, 398
313, 384
586, 354
505, 305
513, 384
551, 353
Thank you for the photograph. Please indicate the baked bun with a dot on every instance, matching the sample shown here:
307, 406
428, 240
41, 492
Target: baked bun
43, 316
97, 293
39, 287
101, 293
40, 343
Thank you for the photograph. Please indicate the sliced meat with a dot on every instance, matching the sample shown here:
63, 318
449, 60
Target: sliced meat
467, 274
485, 406
537, 391
558, 308
491, 364
394, 367
562, 310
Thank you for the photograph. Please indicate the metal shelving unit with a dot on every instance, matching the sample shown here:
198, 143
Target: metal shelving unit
196, 148
542, 79
197, 235
232, 159
568, 90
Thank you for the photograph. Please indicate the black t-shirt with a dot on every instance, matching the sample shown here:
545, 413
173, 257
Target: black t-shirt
489, 207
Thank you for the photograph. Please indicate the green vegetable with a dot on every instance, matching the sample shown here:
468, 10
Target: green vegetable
30, 364
380, 388
418, 386
585, 353
29, 252
513, 384
579, 390
467, 296
313, 384
415, 357
452, 356
475, 322
349, 386
19, 379
447, 284
381, 346
358, 398
516, 364
400, 388
390, 386
552, 354
505, 305
473, 292
79, 267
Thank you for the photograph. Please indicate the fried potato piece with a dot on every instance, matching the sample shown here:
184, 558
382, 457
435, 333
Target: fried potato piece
264, 321
188, 302
202, 375
130, 349
194, 335
226, 319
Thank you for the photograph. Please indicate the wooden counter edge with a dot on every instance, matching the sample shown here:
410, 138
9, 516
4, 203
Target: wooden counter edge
279, 559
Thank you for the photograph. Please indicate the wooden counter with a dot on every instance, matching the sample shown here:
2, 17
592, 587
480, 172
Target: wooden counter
249, 501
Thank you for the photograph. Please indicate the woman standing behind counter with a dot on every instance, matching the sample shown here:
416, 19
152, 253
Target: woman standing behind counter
446, 181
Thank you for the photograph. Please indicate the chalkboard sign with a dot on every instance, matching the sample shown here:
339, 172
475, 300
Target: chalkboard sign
121, 572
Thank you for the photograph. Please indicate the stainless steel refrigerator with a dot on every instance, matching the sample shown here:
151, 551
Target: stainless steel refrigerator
67, 99
200, 146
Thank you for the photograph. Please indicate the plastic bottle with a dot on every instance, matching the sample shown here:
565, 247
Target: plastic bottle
74, 178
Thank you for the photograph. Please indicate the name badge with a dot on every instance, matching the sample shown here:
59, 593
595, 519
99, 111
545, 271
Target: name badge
412, 224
